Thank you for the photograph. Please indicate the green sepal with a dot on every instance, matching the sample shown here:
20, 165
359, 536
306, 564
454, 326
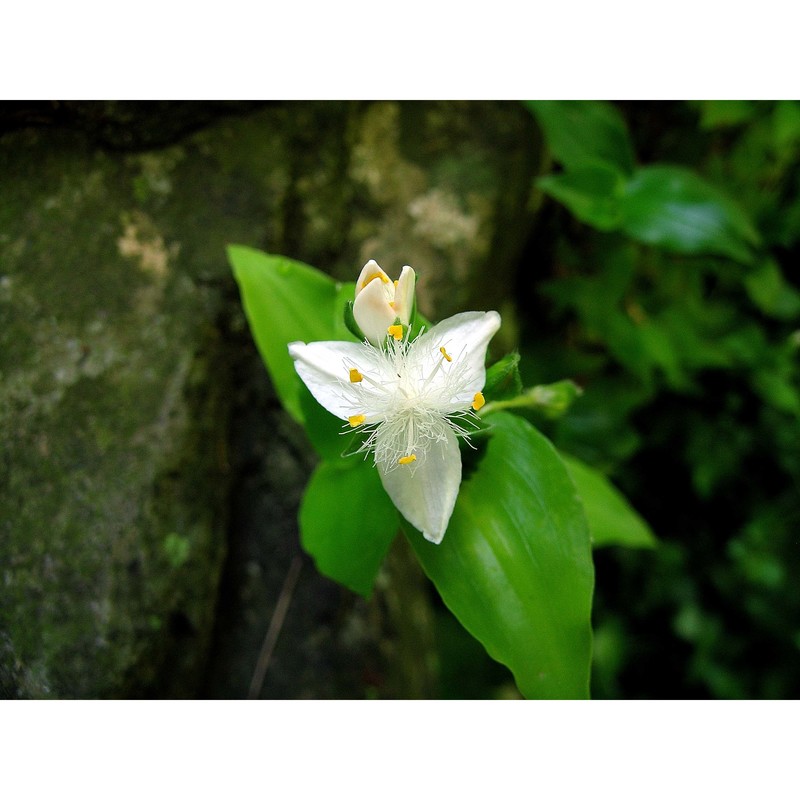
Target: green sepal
503, 379
350, 321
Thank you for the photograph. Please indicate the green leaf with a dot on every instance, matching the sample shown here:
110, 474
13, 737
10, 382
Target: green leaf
347, 522
323, 429
581, 132
503, 379
786, 123
771, 293
778, 387
591, 192
611, 518
419, 324
285, 301
676, 209
345, 292
724, 113
515, 565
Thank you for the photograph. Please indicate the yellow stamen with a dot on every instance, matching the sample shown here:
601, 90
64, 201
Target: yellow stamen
396, 331
358, 419
391, 305
356, 376
445, 354
407, 459
372, 278
478, 402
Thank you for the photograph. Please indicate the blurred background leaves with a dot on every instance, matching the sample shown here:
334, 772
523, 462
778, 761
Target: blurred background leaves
673, 301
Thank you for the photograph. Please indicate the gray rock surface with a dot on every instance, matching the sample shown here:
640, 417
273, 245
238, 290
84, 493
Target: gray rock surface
139, 438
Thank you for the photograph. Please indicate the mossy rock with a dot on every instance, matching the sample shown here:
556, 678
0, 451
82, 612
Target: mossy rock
118, 324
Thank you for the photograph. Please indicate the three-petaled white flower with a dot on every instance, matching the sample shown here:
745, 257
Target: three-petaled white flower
412, 398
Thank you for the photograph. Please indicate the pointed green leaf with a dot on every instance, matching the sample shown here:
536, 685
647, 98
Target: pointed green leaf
611, 518
724, 113
285, 301
324, 430
770, 291
515, 565
581, 132
676, 209
342, 300
591, 192
347, 522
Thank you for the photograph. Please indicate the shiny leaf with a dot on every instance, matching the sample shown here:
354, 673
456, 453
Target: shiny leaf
770, 291
287, 301
726, 113
284, 301
347, 522
591, 192
674, 208
581, 132
611, 518
515, 565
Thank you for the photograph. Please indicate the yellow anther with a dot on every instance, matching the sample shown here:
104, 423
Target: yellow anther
391, 305
396, 331
358, 419
407, 459
445, 354
372, 278
356, 376
478, 402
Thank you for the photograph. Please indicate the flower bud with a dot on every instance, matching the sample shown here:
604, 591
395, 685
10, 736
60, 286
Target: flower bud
381, 303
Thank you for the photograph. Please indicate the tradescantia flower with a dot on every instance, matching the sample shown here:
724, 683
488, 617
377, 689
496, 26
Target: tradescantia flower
381, 302
412, 399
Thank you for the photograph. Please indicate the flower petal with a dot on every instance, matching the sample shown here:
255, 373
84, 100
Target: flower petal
372, 311
371, 271
323, 368
425, 491
404, 294
466, 337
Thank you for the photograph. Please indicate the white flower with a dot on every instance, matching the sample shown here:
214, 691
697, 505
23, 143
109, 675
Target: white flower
412, 399
381, 303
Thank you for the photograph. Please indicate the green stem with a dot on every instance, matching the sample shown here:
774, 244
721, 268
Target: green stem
550, 399
522, 401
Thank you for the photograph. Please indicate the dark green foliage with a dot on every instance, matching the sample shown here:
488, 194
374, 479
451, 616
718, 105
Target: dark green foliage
676, 307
